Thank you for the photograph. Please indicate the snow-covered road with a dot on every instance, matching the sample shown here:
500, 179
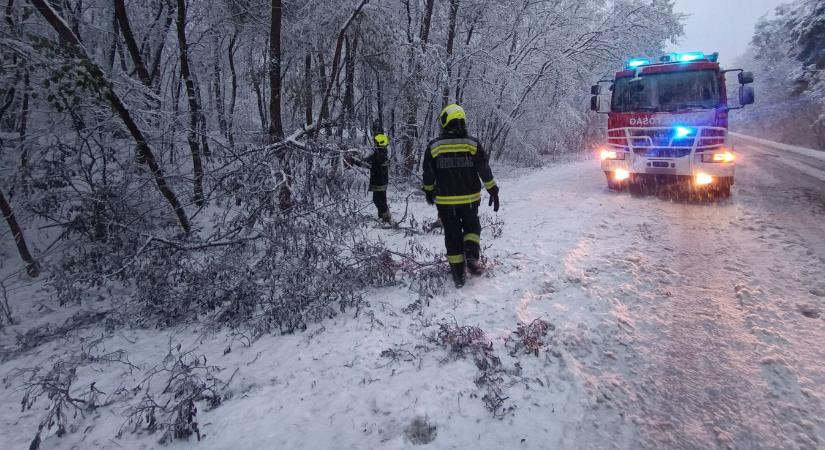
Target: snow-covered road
675, 323
726, 308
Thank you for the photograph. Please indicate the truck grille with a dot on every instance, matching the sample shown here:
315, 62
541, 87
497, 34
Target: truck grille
660, 142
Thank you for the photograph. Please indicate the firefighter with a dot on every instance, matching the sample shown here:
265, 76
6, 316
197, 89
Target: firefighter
452, 165
379, 165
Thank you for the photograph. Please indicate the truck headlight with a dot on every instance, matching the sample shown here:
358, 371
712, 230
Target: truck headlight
718, 157
703, 179
611, 154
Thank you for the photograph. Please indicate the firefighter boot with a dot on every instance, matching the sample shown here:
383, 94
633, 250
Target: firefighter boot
386, 217
458, 274
475, 267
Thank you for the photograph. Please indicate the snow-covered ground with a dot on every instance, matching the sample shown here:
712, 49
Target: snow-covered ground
674, 323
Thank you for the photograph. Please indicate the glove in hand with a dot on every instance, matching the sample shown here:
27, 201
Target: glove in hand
493, 198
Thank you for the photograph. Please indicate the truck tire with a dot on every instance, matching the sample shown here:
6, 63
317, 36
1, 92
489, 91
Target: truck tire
636, 186
723, 189
612, 184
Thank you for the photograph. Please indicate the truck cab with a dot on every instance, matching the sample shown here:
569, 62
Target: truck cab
668, 121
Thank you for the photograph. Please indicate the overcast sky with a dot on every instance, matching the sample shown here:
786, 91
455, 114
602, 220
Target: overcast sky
724, 26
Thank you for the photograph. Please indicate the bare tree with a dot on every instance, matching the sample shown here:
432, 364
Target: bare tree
74, 45
194, 108
276, 129
126, 30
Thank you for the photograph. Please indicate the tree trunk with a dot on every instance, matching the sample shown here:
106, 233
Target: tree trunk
32, 267
72, 42
336, 60
379, 100
322, 71
276, 130
131, 45
411, 135
349, 89
259, 97
445, 94
24, 121
155, 75
194, 110
230, 125
216, 83
308, 89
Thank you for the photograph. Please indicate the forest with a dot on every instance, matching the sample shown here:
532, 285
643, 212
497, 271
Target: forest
198, 147
786, 52
188, 162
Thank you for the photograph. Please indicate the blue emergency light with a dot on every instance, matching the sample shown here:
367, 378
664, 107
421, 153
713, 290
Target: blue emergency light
686, 57
682, 132
637, 62
690, 56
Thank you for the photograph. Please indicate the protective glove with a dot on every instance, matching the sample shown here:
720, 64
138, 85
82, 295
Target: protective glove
430, 197
493, 198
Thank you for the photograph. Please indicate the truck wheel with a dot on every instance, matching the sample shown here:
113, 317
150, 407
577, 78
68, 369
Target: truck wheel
612, 184
723, 190
636, 186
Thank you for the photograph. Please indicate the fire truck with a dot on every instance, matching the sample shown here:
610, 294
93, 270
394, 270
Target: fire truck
667, 121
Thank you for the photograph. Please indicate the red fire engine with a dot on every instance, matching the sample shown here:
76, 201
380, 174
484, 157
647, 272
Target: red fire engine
668, 121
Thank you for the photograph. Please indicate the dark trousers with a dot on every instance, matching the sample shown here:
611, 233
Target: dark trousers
379, 198
462, 231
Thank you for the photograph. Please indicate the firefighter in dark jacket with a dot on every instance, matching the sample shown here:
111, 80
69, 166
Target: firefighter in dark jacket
379, 164
453, 164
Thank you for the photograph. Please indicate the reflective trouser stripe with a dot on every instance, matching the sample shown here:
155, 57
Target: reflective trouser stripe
374, 188
472, 237
489, 184
455, 259
429, 187
457, 199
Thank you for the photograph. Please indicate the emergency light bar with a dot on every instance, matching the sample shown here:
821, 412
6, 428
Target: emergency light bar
635, 63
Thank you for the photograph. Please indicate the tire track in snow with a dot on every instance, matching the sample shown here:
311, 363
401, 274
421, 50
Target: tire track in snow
695, 369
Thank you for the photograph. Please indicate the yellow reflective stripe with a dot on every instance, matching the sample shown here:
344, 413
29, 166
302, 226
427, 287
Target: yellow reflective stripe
429, 187
489, 184
455, 259
453, 148
375, 188
457, 199
472, 237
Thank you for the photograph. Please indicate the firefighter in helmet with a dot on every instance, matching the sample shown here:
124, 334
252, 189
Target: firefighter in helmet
453, 164
379, 164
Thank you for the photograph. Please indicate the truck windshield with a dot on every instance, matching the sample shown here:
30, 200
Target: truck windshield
671, 91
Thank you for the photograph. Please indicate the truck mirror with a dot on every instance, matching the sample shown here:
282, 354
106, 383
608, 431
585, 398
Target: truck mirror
595, 89
746, 95
594, 103
745, 77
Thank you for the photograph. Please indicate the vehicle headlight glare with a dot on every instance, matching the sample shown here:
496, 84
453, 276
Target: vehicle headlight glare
719, 157
611, 154
703, 179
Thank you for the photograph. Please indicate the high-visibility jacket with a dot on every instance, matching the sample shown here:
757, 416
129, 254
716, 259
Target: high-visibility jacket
379, 169
453, 165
